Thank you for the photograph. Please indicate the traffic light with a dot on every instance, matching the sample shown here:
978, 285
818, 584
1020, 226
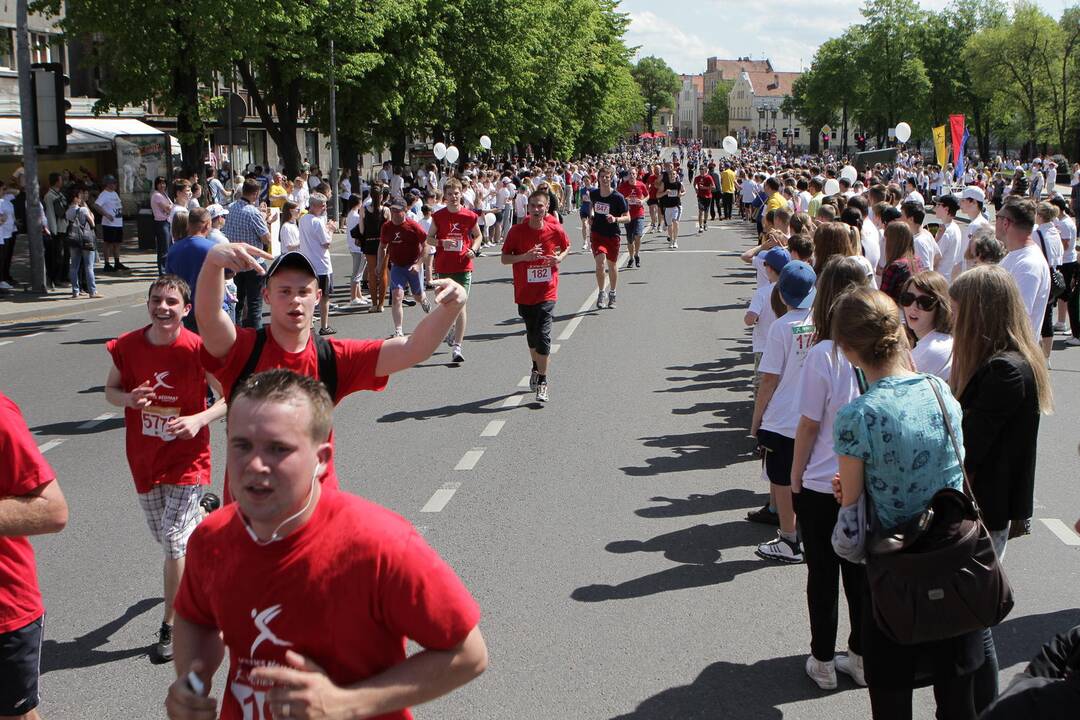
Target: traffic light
50, 107
860, 141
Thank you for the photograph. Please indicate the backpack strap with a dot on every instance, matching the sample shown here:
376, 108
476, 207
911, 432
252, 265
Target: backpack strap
252, 361
327, 358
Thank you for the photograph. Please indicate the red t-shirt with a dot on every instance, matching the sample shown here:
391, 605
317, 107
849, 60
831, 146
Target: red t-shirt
650, 182
636, 194
22, 470
403, 243
346, 590
356, 362
179, 381
535, 282
453, 241
704, 185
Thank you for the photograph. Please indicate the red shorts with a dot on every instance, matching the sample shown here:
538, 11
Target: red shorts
604, 245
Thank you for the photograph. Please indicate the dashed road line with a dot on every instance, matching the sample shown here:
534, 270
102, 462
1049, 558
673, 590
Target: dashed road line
513, 400
554, 348
89, 424
32, 335
493, 428
5, 342
524, 382
470, 458
111, 312
138, 304
440, 498
1064, 533
585, 307
46, 447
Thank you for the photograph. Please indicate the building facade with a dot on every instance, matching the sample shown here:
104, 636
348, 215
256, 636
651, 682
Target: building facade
690, 107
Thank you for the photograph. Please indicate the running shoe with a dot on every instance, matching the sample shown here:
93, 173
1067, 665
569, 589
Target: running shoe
822, 673
675, 245
780, 549
611, 300
162, 651
121, 267
456, 355
637, 261
1060, 327
408, 302
852, 664
425, 305
764, 515
534, 378
327, 330
107, 269
1074, 341
600, 300
360, 301
542, 391
630, 263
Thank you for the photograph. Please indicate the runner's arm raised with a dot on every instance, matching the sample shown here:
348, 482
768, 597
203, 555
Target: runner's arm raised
216, 329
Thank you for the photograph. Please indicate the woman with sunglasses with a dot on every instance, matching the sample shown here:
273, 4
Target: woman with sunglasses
928, 314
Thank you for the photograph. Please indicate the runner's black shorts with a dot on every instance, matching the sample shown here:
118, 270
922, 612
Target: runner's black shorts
20, 655
779, 454
538, 325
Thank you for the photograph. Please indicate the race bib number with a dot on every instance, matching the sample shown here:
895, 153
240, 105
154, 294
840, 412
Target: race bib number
452, 243
804, 338
155, 419
602, 208
539, 274
634, 200
673, 193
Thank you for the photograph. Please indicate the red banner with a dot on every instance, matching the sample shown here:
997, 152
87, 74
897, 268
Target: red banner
956, 128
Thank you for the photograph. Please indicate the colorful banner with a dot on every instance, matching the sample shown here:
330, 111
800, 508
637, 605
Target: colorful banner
960, 161
956, 126
939, 145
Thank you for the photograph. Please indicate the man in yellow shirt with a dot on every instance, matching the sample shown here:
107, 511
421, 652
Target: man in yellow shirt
278, 194
727, 190
776, 200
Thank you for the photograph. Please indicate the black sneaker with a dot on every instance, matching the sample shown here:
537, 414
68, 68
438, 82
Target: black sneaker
121, 267
534, 378
327, 330
637, 261
630, 263
408, 302
107, 269
162, 652
209, 502
764, 515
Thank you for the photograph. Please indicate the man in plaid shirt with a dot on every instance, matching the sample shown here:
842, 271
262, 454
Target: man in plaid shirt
245, 224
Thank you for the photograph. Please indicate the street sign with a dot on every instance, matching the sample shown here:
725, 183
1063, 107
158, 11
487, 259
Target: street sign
826, 130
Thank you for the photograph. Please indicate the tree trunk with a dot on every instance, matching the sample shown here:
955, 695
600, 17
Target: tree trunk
843, 130
397, 146
186, 89
285, 99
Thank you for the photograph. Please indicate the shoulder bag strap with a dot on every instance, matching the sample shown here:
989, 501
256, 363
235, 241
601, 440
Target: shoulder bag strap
1042, 244
253, 358
955, 444
327, 360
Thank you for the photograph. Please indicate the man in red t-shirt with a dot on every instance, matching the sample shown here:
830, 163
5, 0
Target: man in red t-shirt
31, 503
313, 592
651, 178
703, 186
636, 193
456, 237
535, 249
292, 291
403, 241
157, 377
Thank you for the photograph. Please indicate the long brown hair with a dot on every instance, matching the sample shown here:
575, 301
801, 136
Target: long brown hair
936, 286
899, 242
991, 319
830, 239
839, 275
867, 322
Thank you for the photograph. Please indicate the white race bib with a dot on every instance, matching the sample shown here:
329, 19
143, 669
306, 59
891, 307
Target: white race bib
155, 419
673, 193
452, 243
602, 208
538, 274
634, 200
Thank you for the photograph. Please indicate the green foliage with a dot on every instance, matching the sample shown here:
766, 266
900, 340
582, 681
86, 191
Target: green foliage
715, 112
659, 84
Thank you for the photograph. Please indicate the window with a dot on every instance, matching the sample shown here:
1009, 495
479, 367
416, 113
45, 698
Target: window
796, 132
40, 48
7, 48
311, 141
833, 134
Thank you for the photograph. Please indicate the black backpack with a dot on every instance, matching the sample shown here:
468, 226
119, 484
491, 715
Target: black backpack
326, 357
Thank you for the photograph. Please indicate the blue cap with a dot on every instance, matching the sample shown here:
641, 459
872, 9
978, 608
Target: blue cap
796, 284
776, 258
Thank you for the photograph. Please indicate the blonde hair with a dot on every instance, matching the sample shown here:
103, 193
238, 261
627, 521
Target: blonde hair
867, 323
991, 319
179, 225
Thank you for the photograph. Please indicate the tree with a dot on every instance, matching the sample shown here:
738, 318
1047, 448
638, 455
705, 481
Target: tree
715, 113
1059, 60
659, 84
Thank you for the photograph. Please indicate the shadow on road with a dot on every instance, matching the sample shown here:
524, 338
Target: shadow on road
87, 341
697, 545
679, 577
17, 330
735, 690
72, 427
700, 504
477, 407
93, 389
1019, 639
82, 652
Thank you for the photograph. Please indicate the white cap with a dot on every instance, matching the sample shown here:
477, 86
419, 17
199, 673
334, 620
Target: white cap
973, 192
216, 211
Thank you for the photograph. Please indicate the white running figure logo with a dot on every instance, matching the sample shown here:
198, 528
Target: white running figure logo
262, 620
159, 381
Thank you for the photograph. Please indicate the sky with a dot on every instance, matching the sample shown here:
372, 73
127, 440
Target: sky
686, 32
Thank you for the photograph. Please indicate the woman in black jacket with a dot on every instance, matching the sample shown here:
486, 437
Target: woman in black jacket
999, 375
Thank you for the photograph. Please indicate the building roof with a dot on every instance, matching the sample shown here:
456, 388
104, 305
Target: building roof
772, 84
730, 69
698, 82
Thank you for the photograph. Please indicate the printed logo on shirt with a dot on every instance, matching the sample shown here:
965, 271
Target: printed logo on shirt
252, 700
159, 381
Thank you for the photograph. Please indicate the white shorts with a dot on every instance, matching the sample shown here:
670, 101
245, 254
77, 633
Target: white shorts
172, 512
672, 214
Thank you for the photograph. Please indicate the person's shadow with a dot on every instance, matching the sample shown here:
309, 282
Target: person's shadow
83, 651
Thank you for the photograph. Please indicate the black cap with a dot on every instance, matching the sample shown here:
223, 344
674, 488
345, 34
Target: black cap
292, 261
397, 204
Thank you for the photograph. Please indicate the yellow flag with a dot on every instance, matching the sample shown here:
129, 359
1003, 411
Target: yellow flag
939, 145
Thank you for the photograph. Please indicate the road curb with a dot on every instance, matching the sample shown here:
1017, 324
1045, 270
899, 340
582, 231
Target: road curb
83, 307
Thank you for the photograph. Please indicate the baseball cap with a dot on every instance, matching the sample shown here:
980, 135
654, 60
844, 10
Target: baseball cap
776, 258
397, 204
973, 192
291, 261
506, 181
796, 284
216, 211
109, 180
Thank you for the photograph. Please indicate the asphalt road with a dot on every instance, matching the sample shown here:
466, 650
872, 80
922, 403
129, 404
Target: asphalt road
602, 534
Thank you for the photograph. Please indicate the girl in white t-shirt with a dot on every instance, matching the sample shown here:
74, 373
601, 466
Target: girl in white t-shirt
924, 302
827, 383
1070, 304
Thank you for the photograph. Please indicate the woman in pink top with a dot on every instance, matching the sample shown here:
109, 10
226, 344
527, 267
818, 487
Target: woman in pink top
161, 205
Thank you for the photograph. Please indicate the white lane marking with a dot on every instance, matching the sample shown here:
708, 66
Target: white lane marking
96, 421
524, 382
5, 342
493, 428
1064, 533
470, 458
27, 337
111, 312
513, 401
46, 447
554, 348
138, 304
440, 498
660, 252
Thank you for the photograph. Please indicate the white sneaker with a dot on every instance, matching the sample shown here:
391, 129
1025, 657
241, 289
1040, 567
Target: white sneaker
822, 673
851, 664
675, 245
1060, 327
780, 550
5, 286
1074, 341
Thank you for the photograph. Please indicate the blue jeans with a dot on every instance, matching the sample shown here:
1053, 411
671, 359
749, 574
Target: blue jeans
249, 286
163, 239
986, 677
80, 259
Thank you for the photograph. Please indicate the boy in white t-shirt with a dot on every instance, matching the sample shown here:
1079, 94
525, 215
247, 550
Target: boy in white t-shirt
760, 313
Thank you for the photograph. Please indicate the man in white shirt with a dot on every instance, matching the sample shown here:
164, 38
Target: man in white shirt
913, 213
110, 208
950, 240
913, 194
1013, 225
971, 204
1036, 179
315, 236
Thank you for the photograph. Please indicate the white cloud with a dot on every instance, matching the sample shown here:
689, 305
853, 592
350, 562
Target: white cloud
684, 52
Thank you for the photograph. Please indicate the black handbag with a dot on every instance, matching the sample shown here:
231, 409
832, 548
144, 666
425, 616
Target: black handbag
938, 576
80, 235
1058, 287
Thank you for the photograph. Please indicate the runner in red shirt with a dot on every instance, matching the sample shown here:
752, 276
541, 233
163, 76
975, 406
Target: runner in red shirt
456, 236
704, 187
292, 292
636, 193
535, 249
651, 178
313, 592
157, 377
403, 241
31, 503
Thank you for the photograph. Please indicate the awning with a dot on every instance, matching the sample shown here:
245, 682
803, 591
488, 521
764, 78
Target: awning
110, 127
80, 140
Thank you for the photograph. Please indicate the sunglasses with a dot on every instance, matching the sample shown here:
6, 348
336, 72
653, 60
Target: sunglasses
923, 302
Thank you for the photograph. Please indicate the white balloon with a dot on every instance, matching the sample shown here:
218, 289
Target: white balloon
832, 187
489, 219
730, 144
485, 142
439, 150
849, 173
452, 154
903, 132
